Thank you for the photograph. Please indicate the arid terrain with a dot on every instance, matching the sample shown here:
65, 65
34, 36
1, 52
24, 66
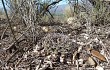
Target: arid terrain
35, 35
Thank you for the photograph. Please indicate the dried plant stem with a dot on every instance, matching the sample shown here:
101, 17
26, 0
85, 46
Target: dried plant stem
4, 32
18, 38
8, 20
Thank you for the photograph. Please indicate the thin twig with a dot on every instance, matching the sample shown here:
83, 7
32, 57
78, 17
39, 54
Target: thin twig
18, 38
4, 32
8, 20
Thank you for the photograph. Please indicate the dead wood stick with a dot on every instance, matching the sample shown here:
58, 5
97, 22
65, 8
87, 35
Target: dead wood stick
8, 20
4, 32
18, 38
44, 67
19, 62
37, 68
8, 59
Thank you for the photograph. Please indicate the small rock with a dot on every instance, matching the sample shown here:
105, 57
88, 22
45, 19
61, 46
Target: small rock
99, 68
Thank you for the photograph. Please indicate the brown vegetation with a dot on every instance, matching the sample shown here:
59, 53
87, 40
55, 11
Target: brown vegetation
30, 42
